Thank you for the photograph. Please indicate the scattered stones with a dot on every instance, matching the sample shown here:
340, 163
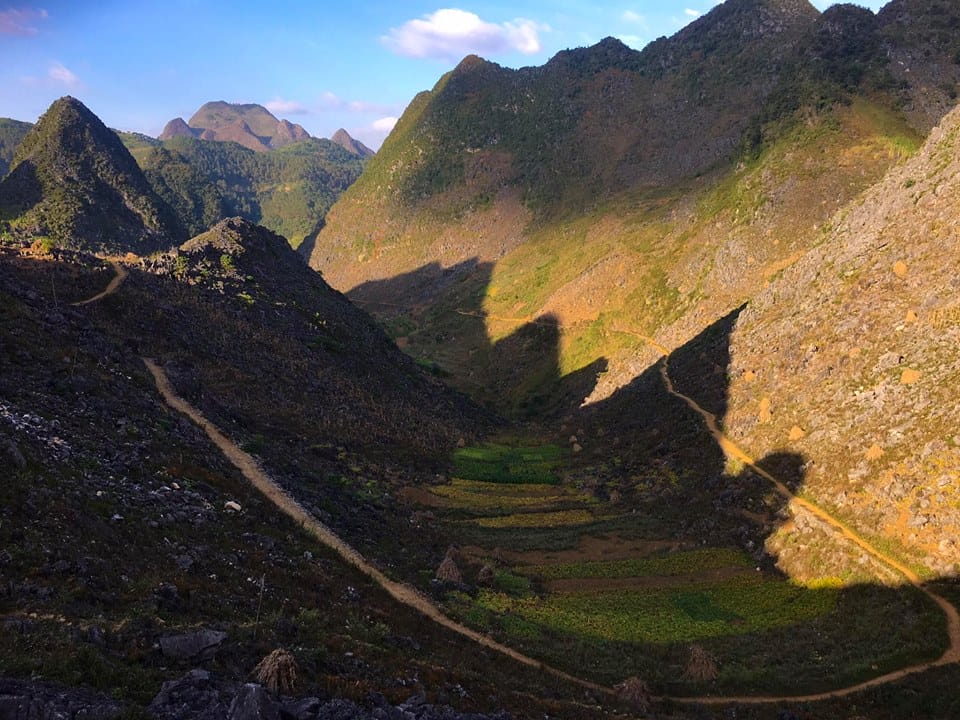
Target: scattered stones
253, 702
900, 269
232, 506
199, 695
797, 433
32, 700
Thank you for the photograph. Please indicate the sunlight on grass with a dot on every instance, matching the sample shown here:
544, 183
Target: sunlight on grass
737, 606
505, 464
559, 518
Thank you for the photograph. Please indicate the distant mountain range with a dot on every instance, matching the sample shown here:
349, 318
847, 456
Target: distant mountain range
250, 125
236, 160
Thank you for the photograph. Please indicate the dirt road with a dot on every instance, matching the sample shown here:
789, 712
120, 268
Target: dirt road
120, 274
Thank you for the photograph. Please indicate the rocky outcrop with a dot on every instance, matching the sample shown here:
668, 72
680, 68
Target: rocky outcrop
177, 128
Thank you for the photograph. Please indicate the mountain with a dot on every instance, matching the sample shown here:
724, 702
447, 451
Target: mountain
73, 181
342, 138
12, 133
301, 379
288, 190
848, 359
611, 188
177, 128
250, 125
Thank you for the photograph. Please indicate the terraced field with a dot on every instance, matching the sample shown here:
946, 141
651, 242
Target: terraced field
600, 590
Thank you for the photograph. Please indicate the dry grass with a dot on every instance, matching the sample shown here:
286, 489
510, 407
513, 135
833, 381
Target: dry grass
635, 692
448, 571
701, 667
278, 672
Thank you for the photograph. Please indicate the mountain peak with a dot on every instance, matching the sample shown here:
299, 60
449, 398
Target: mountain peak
177, 128
342, 138
247, 124
73, 180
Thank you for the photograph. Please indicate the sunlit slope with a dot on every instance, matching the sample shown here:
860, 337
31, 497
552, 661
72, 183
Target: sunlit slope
850, 360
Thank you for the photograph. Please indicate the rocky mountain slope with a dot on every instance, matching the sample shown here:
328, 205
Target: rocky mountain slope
611, 189
849, 359
250, 125
131, 549
74, 182
12, 133
342, 138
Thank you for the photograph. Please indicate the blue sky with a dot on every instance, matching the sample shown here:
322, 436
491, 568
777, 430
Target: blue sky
325, 65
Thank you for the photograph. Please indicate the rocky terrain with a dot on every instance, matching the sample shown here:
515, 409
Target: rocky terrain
849, 359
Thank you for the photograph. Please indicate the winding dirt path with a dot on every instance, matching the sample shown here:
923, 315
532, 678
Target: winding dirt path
414, 599
731, 449
400, 592
118, 278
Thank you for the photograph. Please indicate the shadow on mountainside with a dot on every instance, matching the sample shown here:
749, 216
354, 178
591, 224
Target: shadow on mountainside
652, 454
20, 191
436, 314
809, 615
645, 444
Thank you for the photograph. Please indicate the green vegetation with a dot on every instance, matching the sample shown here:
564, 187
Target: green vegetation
287, 190
508, 464
738, 606
12, 133
669, 565
73, 180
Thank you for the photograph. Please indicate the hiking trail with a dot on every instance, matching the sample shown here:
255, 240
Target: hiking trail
409, 596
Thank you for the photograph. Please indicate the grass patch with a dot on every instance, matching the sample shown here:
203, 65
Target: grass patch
673, 564
504, 464
737, 606
492, 498
558, 518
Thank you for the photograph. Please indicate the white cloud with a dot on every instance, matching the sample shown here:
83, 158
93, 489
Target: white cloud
691, 13
632, 17
329, 101
634, 41
450, 33
279, 106
21, 21
60, 74
384, 124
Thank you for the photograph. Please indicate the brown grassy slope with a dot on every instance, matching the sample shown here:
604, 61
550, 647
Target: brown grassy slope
850, 359
603, 189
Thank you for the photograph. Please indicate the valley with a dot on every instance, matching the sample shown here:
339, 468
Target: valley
618, 386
